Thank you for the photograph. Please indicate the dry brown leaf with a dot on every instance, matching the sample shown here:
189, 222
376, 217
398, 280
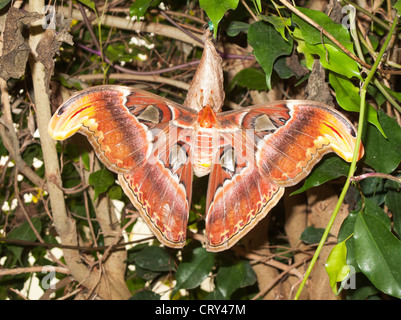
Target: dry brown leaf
15, 47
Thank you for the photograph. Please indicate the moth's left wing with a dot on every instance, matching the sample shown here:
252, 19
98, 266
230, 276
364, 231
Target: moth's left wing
144, 138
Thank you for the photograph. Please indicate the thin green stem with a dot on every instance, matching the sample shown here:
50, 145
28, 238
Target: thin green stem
354, 158
388, 96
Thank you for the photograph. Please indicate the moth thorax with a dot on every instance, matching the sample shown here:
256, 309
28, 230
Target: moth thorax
207, 117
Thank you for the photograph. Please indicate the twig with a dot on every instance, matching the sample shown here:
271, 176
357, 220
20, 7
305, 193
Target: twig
15, 271
132, 77
376, 175
140, 73
265, 290
25, 243
139, 26
189, 34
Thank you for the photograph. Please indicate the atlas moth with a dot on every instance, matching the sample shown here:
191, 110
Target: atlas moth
156, 146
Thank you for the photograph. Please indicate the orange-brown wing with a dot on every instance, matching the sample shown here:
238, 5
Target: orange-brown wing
144, 138
290, 137
261, 150
239, 194
161, 191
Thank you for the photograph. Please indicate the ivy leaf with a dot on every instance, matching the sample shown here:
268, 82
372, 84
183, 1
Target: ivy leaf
24, 232
139, 7
312, 235
145, 295
153, 258
250, 78
216, 10
115, 192
376, 251
348, 98
101, 181
383, 155
280, 24
393, 202
191, 274
235, 27
346, 230
118, 52
330, 168
282, 69
234, 276
268, 45
336, 265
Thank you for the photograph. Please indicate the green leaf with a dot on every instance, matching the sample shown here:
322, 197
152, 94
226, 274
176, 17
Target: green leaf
282, 69
216, 10
24, 232
118, 52
268, 45
312, 235
234, 276
348, 226
373, 189
235, 27
88, 3
348, 98
393, 202
3, 3
250, 78
373, 209
313, 36
153, 258
347, 230
397, 6
139, 7
145, 295
334, 59
331, 56
336, 265
383, 155
101, 181
191, 274
115, 192
330, 168
376, 250
301, 48
146, 274
280, 24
